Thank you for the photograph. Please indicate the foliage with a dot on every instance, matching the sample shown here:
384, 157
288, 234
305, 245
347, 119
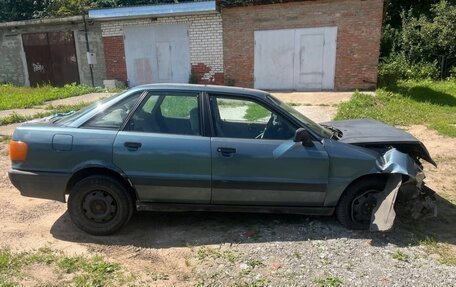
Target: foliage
12, 97
396, 67
393, 20
427, 38
408, 103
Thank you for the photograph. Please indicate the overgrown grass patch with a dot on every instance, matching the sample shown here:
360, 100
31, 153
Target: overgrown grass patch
12, 97
426, 102
83, 271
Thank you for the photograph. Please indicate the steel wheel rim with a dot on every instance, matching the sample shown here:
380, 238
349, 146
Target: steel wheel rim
99, 206
363, 206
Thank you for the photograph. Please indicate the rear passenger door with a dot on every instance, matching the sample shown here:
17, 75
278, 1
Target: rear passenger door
162, 150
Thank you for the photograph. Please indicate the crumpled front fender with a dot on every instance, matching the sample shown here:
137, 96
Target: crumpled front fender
396, 164
394, 161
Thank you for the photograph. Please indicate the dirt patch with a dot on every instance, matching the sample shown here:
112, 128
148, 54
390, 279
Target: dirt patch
224, 249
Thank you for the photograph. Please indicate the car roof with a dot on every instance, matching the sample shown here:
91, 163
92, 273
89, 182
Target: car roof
204, 88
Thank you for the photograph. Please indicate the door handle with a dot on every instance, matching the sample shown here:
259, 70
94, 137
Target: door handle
226, 151
132, 145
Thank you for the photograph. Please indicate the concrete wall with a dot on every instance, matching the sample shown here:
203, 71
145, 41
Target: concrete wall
206, 45
12, 60
13, 67
359, 25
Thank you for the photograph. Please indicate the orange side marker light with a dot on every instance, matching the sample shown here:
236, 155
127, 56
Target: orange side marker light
18, 150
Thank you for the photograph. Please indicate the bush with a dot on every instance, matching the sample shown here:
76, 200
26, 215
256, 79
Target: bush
397, 67
428, 38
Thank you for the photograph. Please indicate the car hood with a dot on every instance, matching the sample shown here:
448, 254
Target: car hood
368, 132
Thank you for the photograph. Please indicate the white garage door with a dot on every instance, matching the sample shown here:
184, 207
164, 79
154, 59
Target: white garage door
157, 54
295, 59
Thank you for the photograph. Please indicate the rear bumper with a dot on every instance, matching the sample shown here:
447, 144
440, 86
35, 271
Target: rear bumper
44, 185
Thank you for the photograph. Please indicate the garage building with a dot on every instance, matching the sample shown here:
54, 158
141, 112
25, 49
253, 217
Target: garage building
302, 45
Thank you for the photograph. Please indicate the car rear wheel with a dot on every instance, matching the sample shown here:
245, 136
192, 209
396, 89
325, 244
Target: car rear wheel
100, 205
356, 205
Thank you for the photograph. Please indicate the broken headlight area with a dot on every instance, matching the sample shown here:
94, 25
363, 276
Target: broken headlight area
416, 202
405, 193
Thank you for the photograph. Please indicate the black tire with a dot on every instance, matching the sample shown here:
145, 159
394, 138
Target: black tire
100, 205
348, 213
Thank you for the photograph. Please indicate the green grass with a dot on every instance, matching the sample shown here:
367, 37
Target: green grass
408, 103
330, 281
212, 253
12, 97
398, 255
83, 271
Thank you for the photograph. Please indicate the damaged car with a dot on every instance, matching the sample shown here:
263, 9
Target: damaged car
171, 147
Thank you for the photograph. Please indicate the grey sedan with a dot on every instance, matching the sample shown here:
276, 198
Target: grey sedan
213, 148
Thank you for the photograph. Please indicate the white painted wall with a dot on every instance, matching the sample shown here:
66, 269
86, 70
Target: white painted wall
295, 59
157, 54
205, 34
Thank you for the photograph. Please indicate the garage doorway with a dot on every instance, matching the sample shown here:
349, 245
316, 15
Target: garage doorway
157, 54
51, 58
295, 59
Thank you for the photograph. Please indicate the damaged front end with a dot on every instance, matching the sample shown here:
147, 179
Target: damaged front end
404, 192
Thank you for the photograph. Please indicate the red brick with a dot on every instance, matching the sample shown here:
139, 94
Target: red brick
359, 25
116, 68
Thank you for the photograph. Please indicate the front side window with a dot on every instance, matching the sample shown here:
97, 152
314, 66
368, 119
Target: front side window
114, 116
244, 118
167, 113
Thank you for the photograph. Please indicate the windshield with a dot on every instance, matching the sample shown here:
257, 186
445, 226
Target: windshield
318, 129
69, 117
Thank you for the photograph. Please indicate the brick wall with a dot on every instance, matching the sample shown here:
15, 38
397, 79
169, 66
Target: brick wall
205, 37
116, 68
359, 25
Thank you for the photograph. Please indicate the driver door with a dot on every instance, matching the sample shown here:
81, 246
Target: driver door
256, 162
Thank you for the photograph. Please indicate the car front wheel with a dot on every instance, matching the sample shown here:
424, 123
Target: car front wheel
100, 205
356, 205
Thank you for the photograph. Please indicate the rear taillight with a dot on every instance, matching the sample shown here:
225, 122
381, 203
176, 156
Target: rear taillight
17, 150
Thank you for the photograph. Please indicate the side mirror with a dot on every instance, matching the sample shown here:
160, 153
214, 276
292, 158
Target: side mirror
303, 136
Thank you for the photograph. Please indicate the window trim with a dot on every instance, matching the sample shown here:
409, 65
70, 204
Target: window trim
242, 97
197, 94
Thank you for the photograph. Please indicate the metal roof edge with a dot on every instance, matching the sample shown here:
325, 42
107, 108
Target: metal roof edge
161, 10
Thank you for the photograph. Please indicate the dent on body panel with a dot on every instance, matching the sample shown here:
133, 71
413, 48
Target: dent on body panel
349, 162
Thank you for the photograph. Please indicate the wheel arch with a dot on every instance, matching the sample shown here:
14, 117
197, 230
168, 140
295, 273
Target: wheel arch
335, 198
99, 169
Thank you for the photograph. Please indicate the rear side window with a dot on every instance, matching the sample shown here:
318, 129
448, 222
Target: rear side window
167, 113
114, 116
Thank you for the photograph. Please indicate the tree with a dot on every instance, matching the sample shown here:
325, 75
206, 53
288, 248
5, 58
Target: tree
426, 38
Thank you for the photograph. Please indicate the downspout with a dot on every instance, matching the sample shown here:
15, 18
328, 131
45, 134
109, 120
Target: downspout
88, 48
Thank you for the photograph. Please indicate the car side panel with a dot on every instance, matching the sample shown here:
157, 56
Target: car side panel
50, 150
166, 167
268, 172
